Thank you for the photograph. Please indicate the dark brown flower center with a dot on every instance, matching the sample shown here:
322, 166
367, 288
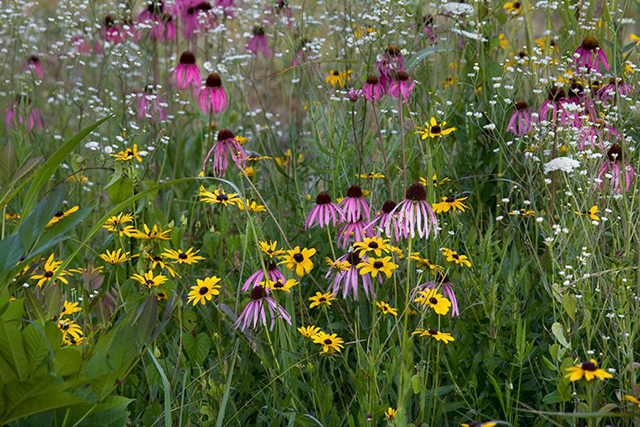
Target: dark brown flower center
336, 73
589, 366
187, 58
59, 214
258, 31
378, 265
354, 191
34, 59
372, 80
214, 80
402, 76
149, 282
108, 21
556, 94
48, 274
450, 199
432, 332
373, 245
590, 43
278, 284
436, 129
204, 6
328, 341
272, 266
393, 51
258, 293
353, 258
521, 105
323, 198
522, 54
416, 192
155, 8
225, 134
322, 299
615, 153
298, 258
203, 290
433, 300
182, 255
388, 206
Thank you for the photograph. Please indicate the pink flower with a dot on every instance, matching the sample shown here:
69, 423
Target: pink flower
620, 173
428, 28
354, 94
197, 17
112, 32
186, 72
384, 221
324, 212
442, 282
373, 89
352, 232
149, 105
556, 101
597, 133
272, 271
391, 62
608, 92
162, 26
401, 86
520, 121
354, 206
212, 97
349, 279
590, 55
225, 145
33, 65
21, 108
414, 213
258, 42
257, 310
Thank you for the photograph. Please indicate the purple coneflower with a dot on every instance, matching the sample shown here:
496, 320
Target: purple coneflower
348, 277
441, 282
150, 105
428, 28
385, 221
111, 31
608, 91
272, 271
257, 308
258, 42
520, 121
197, 17
414, 213
33, 65
401, 86
354, 206
186, 72
556, 101
373, 89
162, 26
324, 212
352, 231
597, 133
20, 108
212, 97
589, 55
619, 173
225, 145
354, 94
391, 62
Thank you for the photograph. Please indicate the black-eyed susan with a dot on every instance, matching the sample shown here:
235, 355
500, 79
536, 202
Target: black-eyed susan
329, 342
155, 233
219, 197
433, 129
149, 279
591, 213
270, 248
450, 204
69, 339
183, 257
386, 308
118, 224
632, 399
522, 212
338, 265
434, 181
69, 327
513, 7
115, 257
14, 217
433, 299
280, 285
128, 154
251, 207
62, 214
309, 331
371, 175
161, 294
204, 290
338, 78
445, 337
390, 413
425, 263
399, 252
589, 370
480, 424
372, 246
51, 267
321, 299
374, 266
158, 261
299, 260
69, 308
456, 258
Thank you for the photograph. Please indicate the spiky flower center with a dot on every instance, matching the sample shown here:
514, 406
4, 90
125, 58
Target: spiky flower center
590, 43
258, 31
388, 206
393, 51
589, 366
323, 198
521, 105
372, 80
258, 293
556, 93
214, 80
225, 134
615, 153
416, 192
187, 58
402, 76
354, 191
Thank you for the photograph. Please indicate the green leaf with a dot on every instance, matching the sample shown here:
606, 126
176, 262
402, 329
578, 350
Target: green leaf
413, 61
569, 303
44, 173
197, 347
31, 227
43, 403
146, 318
11, 250
12, 349
35, 344
558, 332
68, 361
120, 190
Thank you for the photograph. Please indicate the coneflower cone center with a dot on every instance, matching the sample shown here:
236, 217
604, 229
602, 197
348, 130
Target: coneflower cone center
225, 134
187, 58
353, 259
590, 43
416, 192
614, 153
354, 191
402, 76
521, 105
372, 80
323, 198
388, 206
258, 293
214, 80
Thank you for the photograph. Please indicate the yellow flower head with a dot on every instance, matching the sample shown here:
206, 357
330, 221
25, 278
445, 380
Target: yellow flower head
454, 257
589, 370
50, 268
116, 224
329, 343
279, 285
251, 207
338, 265
386, 308
434, 300
69, 308
181, 257
377, 265
321, 299
62, 214
450, 204
514, 8
155, 233
591, 213
390, 414
434, 130
299, 260
149, 279
128, 154
338, 78
445, 337
204, 290
218, 197
270, 248
372, 245
115, 257
309, 331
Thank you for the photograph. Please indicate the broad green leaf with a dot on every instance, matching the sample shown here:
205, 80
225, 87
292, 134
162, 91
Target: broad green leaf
68, 361
197, 347
12, 349
31, 227
146, 318
35, 344
42, 403
120, 190
11, 250
414, 60
558, 332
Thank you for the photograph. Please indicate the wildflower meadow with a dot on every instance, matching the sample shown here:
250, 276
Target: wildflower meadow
319, 213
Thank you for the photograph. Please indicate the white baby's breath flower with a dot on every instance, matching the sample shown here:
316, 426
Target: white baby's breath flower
565, 164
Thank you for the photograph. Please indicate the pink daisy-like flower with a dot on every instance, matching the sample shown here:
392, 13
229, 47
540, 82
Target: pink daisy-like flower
391, 62
608, 91
596, 134
441, 282
197, 17
225, 145
349, 279
589, 55
186, 72
521, 121
212, 97
354, 94
161, 23
258, 42
415, 214
324, 212
429, 29
373, 89
619, 173
21, 108
401, 86
354, 206
33, 65
112, 32
556, 102
384, 221
352, 231
256, 311
272, 271
150, 105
